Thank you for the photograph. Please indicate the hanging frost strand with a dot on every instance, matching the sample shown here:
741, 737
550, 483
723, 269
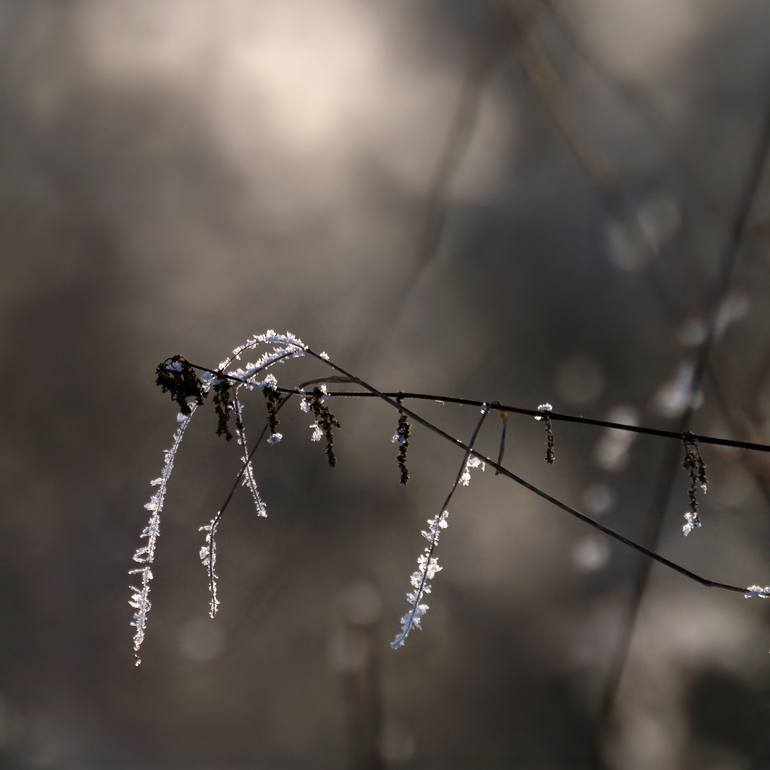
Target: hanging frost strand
550, 457
401, 437
427, 561
208, 557
696, 468
144, 556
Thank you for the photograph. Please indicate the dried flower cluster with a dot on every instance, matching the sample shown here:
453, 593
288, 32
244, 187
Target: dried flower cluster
401, 437
325, 422
546, 409
176, 377
696, 468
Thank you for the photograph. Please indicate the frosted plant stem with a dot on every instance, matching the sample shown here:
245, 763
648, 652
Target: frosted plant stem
145, 555
427, 563
208, 551
248, 475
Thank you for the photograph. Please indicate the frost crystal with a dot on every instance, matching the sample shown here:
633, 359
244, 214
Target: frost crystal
275, 438
692, 522
144, 556
317, 434
472, 462
208, 557
757, 592
543, 408
427, 568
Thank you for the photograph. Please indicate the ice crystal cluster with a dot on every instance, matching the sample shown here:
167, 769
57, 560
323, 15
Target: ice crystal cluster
190, 397
691, 522
757, 592
471, 464
420, 579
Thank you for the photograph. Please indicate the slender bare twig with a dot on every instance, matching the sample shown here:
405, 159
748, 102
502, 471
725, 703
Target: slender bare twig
702, 438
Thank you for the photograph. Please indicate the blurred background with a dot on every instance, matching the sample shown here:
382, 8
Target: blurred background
522, 201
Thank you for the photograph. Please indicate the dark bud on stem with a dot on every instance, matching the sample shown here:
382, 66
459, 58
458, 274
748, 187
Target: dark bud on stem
223, 404
272, 401
403, 431
696, 468
326, 422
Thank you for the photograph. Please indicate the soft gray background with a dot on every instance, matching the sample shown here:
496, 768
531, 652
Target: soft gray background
383, 180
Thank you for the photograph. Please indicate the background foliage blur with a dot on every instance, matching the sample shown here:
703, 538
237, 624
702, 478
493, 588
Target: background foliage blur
521, 201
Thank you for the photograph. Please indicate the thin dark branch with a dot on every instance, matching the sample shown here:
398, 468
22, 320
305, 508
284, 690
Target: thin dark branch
563, 417
504, 421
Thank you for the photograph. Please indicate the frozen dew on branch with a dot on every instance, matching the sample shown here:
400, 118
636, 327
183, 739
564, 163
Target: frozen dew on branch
144, 555
471, 464
420, 579
691, 522
543, 408
275, 438
757, 592
208, 557
317, 433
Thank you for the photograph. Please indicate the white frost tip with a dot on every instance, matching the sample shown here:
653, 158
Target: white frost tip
692, 522
324, 355
757, 592
275, 438
543, 408
317, 434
